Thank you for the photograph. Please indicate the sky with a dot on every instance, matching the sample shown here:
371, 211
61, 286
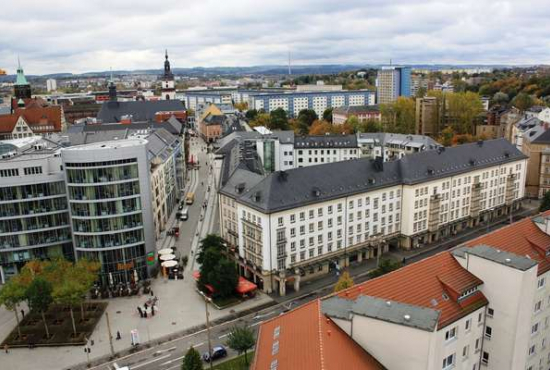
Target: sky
79, 36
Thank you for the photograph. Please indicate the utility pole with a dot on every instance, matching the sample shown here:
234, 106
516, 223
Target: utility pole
206, 299
110, 335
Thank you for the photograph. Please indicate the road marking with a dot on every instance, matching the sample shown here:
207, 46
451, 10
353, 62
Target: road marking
172, 360
166, 350
223, 336
198, 344
256, 323
151, 361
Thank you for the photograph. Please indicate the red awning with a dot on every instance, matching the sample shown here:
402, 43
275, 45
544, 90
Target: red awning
244, 286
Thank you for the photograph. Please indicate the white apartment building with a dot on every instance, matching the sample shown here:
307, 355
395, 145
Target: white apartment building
483, 305
34, 216
296, 224
314, 150
390, 146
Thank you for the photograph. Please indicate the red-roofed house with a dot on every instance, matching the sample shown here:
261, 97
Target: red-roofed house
483, 305
34, 120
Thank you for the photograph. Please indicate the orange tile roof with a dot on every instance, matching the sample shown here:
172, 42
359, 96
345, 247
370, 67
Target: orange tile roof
423, 282
38, 118
308, 340
523, 238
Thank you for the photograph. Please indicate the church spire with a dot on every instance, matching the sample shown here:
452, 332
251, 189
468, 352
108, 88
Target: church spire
22, 88
112, 88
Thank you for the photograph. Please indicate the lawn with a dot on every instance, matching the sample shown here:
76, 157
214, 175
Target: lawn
236, 363
60, 327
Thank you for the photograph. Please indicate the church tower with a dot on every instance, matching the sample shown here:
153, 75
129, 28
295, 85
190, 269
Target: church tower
168, 89
21, 88
112, 89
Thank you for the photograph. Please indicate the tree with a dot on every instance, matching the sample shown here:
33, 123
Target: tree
320, 128
370, 125
223, 278
386, 265
241, 107
345, 281
70, 293
241, 339
446, 138
192, 360
399, 116
501, 98
545, 203
523, 101
11, 295
85, 273
327, 115
306, 117
261, 119
353, 122
39, 296
462, 109
278, 119
251, 114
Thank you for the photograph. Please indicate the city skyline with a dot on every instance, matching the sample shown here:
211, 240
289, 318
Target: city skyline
77, 38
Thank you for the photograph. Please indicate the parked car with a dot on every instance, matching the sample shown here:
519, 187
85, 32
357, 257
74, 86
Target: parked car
217, 352
184, 214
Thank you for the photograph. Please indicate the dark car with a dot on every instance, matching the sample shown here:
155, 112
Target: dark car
180, 207
217, 352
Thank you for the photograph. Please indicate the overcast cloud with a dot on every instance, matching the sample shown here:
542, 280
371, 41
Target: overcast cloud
90, 35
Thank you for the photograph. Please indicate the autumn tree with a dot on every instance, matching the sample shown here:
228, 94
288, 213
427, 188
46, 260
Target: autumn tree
320, 128
11, 295
345, 281
399, 116
523, 101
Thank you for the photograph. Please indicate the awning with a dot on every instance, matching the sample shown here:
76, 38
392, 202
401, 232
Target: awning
244, 286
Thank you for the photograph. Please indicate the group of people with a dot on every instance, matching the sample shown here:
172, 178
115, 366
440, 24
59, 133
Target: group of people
149, 308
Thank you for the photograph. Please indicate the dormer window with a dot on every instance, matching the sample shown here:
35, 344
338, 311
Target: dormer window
468, 292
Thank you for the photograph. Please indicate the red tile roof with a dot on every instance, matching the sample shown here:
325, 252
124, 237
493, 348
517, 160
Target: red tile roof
440, 278
38, 118
308, 340
521, 238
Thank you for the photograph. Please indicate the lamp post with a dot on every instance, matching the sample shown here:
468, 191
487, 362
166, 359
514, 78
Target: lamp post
206, 300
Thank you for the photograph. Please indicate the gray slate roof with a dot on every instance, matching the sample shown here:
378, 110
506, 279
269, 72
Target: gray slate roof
417, 317
384, 138
543, 138
283, 190
172, 125
496, 255
325, 141
143, 110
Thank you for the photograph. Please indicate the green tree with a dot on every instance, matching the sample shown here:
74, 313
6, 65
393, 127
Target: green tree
523, 101
223, 278
371, 125
353, 122
251, 114
345, 281
11, 295
501, 98
399, 116
278, 119
545, 202
241, 339
192, 360
39, 296
70, 293
446, 138
327, 115
384, 266
261, 119
461, 111
306, 117
85, 273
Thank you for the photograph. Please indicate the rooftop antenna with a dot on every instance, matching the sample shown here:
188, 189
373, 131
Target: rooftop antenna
289, 70
390, 62
18, 62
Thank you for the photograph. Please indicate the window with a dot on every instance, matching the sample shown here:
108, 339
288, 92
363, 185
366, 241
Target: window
480, 318
329, 210
468, 324
540, 283
448, 361
32, 170
488, 332
292, 219
478, 343
293, 232
490, 312
450, 334
485, 358
465, 351
311, 214
319, 212
532, 350
302, 230
538, 306
302, 216
535, 329
280, 221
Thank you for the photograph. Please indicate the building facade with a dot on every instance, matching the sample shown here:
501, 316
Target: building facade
294, 225
483, 305
389, 146
363, 113
391, 83
34, 214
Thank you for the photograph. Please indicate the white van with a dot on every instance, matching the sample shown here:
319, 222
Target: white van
184, 214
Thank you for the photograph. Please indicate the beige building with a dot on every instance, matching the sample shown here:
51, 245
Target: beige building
534, 143
294, 225
428, 116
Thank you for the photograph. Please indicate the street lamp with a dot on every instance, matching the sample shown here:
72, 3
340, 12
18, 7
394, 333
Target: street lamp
206, 300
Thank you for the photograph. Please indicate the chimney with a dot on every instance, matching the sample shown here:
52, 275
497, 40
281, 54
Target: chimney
545, 126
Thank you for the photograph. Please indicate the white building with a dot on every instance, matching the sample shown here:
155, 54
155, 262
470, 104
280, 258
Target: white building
34, 216
483, 305
296, 224
314, 150
390, 146
51, 85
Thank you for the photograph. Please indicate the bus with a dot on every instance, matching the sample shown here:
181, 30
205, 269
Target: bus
190, 198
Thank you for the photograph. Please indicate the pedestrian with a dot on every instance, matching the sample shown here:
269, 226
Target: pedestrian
153, 310
23, 313
404, 261
118, 336
145, 314
6, 348
152, 292
145, 305
140, 311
